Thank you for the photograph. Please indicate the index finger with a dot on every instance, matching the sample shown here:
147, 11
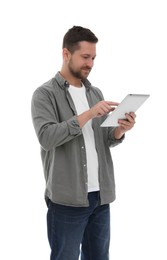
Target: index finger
132, 114
111, 103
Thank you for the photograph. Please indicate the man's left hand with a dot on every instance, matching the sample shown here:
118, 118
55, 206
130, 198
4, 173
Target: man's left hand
128, 123
125, 125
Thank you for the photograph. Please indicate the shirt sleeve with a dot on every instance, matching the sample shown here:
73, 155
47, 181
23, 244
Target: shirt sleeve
50, 132
111, 138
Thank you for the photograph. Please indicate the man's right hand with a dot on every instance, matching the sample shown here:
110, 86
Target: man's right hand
102, 108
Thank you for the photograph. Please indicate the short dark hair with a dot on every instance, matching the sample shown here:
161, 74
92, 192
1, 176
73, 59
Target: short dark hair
78, 34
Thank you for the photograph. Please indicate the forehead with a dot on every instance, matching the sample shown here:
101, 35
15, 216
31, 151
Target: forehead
87, 48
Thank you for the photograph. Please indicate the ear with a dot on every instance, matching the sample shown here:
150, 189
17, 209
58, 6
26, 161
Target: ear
66, 54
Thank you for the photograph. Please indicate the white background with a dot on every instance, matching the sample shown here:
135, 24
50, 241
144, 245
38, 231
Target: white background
131, 58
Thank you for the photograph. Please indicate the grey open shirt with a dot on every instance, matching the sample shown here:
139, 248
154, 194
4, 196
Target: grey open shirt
62, 144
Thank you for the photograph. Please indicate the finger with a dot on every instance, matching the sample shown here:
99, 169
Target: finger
123, 122
111, 103
130, 117
112, 108
132, 114
104, 109
106, 106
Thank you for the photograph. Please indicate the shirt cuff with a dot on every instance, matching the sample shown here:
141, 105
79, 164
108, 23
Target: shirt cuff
73, 126
113, 140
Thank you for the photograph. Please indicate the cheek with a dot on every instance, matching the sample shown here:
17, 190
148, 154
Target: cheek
77, 63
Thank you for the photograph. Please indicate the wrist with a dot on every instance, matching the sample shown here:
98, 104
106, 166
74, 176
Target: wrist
91, 113
84, 118
118, 133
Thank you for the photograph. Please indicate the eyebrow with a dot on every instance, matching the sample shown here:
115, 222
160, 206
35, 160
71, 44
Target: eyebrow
88, 55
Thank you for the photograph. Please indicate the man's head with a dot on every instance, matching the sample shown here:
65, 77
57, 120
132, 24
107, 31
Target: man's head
79, 52
75, 35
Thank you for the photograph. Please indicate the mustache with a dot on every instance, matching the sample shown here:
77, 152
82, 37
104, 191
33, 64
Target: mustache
87, 68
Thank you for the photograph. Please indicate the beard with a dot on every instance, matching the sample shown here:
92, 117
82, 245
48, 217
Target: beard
81, 73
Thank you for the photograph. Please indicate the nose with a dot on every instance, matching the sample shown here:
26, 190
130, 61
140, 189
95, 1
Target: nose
90, 63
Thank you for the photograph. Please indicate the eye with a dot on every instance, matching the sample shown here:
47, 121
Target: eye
85, 56
88, 57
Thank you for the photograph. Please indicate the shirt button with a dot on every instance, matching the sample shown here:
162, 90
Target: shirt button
82, 147
84, 165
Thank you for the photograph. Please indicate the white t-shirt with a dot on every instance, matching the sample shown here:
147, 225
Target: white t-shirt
79, 98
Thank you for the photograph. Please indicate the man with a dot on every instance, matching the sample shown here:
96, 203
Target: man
67, 112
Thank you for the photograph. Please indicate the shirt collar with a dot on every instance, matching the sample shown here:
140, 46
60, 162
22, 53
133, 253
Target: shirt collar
64, 84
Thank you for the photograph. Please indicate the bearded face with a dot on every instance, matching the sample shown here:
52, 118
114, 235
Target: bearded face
81, 61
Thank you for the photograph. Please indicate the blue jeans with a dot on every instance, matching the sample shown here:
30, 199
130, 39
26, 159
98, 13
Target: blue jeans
72, 228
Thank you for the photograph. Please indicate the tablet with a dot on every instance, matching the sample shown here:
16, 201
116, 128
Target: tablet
129, 104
